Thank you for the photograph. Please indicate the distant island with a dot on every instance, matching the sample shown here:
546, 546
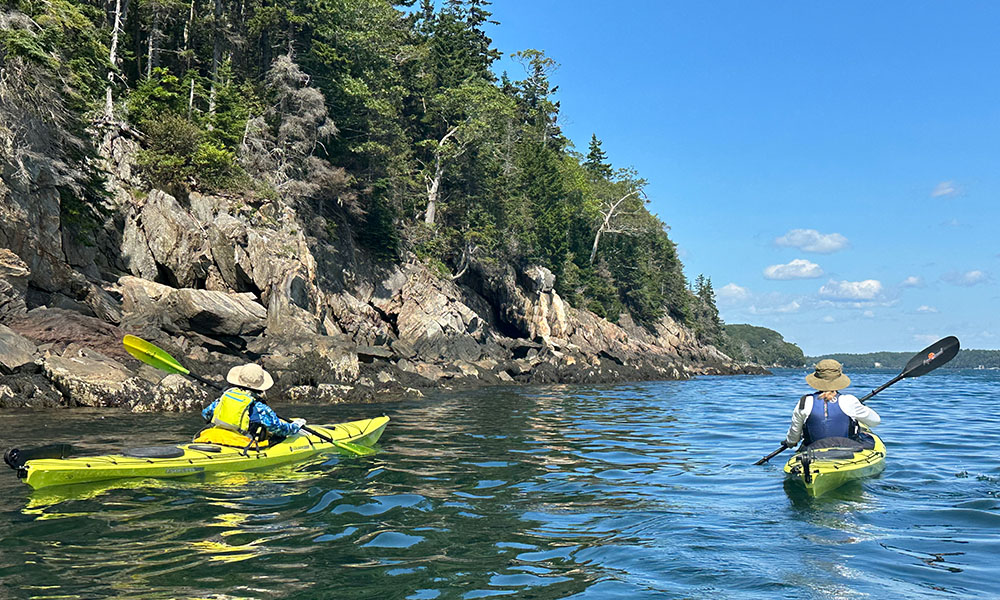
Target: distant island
762, 346
966, 359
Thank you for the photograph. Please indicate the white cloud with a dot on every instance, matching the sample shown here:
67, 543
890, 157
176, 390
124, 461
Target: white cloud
967, 279
869, 314
945, 188
732, 294
912, 281
829, 319
810, 240
926, 309
868, 289
925, 338
797, 269
790, 307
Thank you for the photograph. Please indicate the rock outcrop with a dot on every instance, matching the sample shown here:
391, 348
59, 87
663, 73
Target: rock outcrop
218, 281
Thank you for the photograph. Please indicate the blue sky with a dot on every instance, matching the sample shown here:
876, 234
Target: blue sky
833, 167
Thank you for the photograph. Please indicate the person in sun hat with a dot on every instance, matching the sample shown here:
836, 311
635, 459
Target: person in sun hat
242, 407
828, 414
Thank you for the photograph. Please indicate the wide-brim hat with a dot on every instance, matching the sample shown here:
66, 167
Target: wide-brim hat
250, 376
828, 377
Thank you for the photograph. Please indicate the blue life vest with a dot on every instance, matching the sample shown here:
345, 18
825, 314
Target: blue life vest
826, 421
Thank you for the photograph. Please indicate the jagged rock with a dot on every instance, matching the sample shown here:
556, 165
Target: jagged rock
173, 393
541, 280
210, 312
14, 275
15, 351
88, 378
431, 317
292, 305
164, 241
311, 360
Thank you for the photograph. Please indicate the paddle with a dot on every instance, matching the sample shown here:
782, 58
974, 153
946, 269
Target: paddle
925, 361
157, 357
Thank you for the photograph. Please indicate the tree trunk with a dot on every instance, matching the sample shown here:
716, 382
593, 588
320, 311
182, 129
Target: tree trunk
433, 190
151, 47
216, 57
109, 106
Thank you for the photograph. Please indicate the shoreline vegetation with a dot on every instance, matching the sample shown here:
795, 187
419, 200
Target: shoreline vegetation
966, 359
346, 193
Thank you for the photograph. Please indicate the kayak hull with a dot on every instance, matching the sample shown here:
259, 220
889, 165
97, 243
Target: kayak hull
200, 458
821, 474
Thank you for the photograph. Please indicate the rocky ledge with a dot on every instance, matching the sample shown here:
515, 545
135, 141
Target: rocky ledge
218, 281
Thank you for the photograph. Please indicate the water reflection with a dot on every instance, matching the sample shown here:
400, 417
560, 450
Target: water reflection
642, 491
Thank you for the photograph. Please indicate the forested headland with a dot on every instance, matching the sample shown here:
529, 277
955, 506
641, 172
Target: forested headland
347, 190
388, 111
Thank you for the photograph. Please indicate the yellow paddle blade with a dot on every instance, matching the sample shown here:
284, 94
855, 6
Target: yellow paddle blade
152, 355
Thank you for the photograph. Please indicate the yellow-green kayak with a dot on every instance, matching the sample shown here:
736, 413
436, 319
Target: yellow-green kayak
193, 458
823, 469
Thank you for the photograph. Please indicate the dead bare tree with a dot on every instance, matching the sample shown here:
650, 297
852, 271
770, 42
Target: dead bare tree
617, 216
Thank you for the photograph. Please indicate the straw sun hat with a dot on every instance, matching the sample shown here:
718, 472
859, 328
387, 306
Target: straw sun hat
250, 376
828, 377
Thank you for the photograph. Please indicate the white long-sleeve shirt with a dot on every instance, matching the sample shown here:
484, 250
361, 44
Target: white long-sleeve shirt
851, 406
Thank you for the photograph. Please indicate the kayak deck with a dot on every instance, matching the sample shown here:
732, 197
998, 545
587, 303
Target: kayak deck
197, 458
826, 469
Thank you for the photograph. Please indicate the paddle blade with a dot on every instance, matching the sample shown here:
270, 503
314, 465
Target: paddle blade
932, 357
152, 355
355, 448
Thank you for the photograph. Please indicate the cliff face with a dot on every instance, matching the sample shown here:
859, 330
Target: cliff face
218, 281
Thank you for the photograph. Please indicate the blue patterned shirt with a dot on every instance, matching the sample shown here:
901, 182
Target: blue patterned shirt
260, 413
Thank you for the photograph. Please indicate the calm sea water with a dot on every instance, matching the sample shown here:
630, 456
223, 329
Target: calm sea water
629, 491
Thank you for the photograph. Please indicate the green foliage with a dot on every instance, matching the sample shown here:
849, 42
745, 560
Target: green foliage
367, 111
762, 346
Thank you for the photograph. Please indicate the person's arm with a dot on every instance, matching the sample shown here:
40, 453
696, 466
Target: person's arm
275, 425
207, 412
853, 408
798, 421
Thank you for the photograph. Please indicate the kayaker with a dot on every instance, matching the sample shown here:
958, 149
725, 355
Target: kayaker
242, 408
838, 414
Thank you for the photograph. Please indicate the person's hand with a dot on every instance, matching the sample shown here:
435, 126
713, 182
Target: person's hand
786, 444
299, 423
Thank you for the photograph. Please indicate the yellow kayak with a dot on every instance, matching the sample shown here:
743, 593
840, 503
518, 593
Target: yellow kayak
198, 457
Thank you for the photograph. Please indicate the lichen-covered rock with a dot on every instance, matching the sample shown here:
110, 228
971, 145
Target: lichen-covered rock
324, 393
174, 393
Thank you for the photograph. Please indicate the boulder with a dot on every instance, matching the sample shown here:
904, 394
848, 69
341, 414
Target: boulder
88, 378
212, 312
15, 351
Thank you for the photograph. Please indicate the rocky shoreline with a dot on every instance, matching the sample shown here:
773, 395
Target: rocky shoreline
218, 281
